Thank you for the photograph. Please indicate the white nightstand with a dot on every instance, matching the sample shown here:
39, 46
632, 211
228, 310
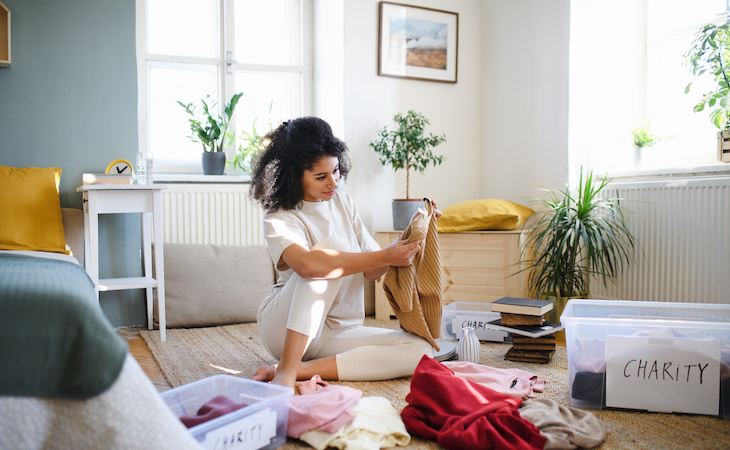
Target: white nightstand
133, 198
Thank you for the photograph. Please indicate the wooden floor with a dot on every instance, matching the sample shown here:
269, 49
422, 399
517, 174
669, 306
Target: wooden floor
138, 348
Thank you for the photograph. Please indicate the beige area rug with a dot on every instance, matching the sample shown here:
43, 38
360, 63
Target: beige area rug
192, 354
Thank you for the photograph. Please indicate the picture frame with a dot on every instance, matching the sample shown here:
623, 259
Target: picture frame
418, 43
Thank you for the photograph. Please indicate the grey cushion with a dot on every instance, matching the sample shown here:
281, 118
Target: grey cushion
208, 285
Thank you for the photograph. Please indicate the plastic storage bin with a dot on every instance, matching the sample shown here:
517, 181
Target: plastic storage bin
653, 345
261, 424
473, 314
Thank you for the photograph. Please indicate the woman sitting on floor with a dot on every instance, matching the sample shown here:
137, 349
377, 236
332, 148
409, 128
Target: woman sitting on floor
312, 321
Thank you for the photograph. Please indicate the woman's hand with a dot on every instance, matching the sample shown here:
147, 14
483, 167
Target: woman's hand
401, 253
436, 212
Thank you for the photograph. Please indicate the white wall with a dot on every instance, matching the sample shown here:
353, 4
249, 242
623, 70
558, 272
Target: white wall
505, 120
524, 97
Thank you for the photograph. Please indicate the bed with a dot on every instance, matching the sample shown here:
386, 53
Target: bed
67, 380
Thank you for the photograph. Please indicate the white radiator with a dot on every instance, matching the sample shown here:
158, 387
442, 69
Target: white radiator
682, 227
221, 214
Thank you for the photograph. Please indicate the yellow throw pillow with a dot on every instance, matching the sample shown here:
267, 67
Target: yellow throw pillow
30, 209
484, 214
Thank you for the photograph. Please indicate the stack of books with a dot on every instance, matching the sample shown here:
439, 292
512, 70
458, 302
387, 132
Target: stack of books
533, 338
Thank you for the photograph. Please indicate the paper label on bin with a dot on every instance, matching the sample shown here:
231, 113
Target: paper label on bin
248, 433
663, 374
481, 327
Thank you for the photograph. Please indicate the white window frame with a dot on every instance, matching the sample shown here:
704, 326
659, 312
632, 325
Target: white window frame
226, 76
592, 129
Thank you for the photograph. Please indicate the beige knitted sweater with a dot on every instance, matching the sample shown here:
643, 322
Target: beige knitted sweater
414, 292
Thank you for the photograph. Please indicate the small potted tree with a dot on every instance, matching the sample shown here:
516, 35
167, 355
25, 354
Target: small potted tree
407, 147
210, 131
572, 238
709, 56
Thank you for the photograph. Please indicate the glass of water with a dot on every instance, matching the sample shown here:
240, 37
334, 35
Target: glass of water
144, 168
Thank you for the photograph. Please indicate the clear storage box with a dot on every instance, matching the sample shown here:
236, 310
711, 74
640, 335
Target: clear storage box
655, 356
457, 315
260, 424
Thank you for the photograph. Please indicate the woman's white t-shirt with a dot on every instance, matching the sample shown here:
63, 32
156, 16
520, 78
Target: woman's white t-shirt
308, 225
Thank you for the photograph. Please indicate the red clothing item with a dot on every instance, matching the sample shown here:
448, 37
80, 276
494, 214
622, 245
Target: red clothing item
460, 414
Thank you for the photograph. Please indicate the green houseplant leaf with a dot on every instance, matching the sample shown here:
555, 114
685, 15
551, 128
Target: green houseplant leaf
408, 147
709, 55
210, 130
575, 236
251, 146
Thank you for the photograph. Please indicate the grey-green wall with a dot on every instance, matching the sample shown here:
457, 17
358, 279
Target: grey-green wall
69, 100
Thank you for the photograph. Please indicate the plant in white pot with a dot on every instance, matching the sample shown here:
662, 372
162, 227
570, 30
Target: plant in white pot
407, 147
642, 137
210, 131
709, 56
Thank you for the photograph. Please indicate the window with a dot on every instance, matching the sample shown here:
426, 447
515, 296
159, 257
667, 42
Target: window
189, 49
627, 67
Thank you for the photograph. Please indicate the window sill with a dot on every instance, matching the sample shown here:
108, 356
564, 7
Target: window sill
198, 178
708, 170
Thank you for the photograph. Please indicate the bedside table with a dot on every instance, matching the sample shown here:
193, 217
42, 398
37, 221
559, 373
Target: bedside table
115, 199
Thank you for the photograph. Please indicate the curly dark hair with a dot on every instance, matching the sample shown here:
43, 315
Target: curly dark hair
292, 148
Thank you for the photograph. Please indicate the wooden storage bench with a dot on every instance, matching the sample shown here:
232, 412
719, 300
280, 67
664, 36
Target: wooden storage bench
476, 266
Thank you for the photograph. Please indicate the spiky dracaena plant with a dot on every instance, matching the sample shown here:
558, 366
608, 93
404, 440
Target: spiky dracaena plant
574, 237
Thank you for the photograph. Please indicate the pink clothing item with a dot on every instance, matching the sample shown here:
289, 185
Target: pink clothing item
216, 407
513, 382
320, 406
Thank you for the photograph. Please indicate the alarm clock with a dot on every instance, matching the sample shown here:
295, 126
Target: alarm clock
119, 167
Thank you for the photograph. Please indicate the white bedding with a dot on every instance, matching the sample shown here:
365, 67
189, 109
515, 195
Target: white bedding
49, 255
129, 415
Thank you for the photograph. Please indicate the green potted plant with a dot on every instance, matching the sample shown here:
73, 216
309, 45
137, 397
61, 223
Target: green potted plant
407, 147
251, 146
642, 137
709, 56
210, 131
572, 238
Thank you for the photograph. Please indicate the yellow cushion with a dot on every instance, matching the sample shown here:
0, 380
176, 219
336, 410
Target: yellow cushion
30, 209
484, 214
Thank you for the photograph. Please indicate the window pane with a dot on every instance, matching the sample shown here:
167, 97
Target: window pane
267, 32
268, 99
168, 123
183, 27
281, 92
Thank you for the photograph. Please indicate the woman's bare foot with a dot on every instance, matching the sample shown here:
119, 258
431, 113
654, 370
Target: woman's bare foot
265, 373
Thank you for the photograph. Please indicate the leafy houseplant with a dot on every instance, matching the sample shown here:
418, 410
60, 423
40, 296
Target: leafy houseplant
643, 137
253, 144
575, 237
210, 131
709, 55
407, 147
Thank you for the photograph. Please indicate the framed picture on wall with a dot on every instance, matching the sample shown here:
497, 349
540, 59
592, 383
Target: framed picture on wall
418, 43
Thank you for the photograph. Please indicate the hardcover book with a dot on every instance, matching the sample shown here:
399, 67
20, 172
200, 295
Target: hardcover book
527, 306
527, 330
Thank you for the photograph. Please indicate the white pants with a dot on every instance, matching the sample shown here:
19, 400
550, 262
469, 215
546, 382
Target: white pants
362, 353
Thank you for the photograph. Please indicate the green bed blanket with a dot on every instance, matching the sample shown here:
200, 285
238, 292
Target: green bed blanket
54, 339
